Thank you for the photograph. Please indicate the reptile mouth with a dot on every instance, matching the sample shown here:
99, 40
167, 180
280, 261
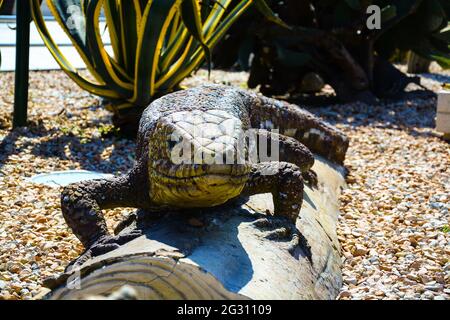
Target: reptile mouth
196, 185
188, 171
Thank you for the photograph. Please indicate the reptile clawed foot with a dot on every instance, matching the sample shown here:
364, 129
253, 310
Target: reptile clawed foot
108, 243
311, 178
104, 245
279, 228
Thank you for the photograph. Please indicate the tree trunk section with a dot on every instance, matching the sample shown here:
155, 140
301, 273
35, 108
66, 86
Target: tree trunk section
220, 254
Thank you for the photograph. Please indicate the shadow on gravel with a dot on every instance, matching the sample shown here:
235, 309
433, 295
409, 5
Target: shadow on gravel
442, 78
412, 111
88, 160
87, 151
8, 145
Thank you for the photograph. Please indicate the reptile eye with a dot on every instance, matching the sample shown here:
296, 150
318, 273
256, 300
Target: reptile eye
172, 144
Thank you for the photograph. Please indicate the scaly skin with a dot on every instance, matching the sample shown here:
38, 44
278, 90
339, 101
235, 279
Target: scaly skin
220, 113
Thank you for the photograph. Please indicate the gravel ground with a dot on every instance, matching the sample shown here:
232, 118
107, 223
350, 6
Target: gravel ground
395, 213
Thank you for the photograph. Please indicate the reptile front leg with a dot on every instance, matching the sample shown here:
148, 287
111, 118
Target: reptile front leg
284, 181
291, 120
81, 205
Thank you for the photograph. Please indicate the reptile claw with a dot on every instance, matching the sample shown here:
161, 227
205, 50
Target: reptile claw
294, 243
102, 248
109, 243
278, 234
262, 223
311, 179
104, 245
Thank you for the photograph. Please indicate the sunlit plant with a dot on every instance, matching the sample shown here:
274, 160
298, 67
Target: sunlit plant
155, 43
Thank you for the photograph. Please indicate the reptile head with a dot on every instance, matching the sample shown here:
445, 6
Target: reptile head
196, 159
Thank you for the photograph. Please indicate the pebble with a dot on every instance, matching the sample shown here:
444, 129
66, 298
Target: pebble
434, 287
399, 196
345, 294
351, 280
359, 250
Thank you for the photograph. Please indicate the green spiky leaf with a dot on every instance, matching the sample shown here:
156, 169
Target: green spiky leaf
387, 13
192, 18
267, 12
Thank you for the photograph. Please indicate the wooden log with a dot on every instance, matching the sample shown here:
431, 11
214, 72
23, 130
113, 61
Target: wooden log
220, 253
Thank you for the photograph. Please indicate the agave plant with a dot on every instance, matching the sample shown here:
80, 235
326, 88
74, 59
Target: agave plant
155, 43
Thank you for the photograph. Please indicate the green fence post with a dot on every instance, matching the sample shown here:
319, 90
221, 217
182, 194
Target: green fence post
23, 14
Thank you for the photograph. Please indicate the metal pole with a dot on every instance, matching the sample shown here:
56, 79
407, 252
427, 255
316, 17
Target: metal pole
22, 63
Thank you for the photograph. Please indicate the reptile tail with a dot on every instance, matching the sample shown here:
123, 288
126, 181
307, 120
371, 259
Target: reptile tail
326, 141
319, 136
